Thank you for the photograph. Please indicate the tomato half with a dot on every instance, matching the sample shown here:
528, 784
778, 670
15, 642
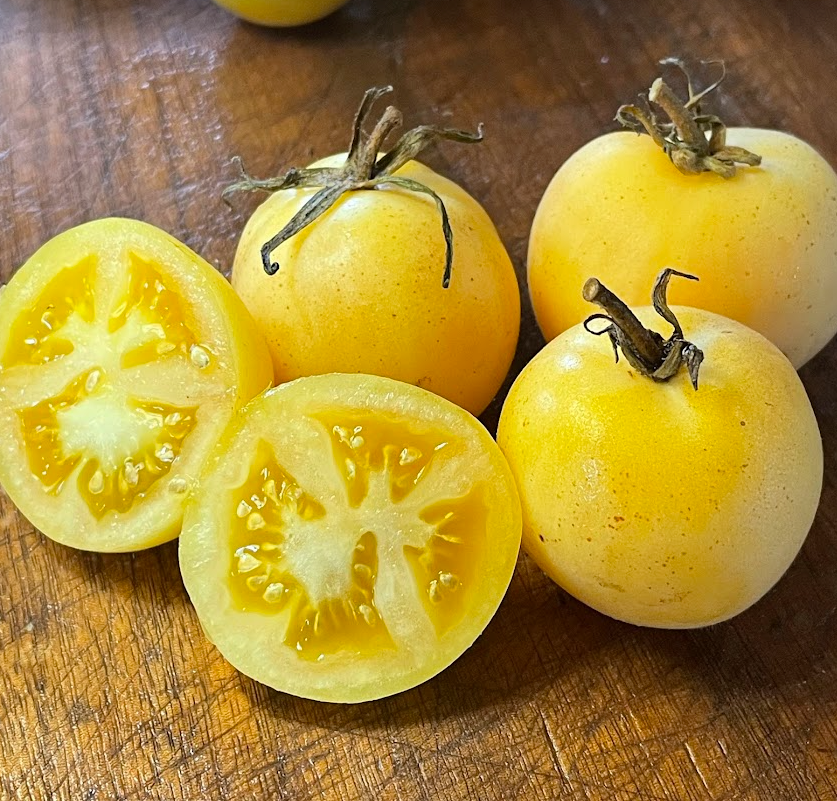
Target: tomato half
352, 536
123, 356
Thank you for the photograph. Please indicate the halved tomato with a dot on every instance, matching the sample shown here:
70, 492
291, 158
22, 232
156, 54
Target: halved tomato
353, 535
123, 356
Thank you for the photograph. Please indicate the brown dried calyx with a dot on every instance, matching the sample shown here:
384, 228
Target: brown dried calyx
646, 351
364, 168
694, 141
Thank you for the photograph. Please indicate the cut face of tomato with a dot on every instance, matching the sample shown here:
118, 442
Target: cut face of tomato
123, 355
352, 536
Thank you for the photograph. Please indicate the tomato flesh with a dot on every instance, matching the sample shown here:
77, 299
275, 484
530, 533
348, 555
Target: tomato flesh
365, 545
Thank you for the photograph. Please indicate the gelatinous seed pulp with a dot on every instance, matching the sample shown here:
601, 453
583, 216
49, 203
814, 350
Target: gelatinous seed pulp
446, 566
443, 568
35, 336
373, 444
261, 581
120, 445
104, 487
152, 316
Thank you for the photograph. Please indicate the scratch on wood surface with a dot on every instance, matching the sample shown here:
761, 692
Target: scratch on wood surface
697, 768
555, 753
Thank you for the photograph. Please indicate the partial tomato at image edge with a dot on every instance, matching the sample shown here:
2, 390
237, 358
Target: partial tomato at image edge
281, 13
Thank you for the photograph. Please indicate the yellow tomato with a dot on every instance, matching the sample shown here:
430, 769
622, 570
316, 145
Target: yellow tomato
654, 503
281, 13
123, 356
764, 242
352, 536
360, 290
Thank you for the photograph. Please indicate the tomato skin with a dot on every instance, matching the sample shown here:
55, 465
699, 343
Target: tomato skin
239, 368
286, 419
360, 290
281, 13
654, 503
763, 242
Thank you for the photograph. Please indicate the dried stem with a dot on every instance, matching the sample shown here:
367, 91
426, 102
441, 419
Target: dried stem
645, 350
695, 142
363, 169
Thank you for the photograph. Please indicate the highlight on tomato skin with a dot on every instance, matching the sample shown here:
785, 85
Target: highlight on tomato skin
122, 357
351, 537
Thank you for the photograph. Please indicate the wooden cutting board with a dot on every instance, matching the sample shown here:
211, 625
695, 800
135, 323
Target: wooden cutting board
108, 690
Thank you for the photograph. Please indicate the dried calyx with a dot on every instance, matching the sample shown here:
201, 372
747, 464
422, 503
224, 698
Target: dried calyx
364, 168
645, 350
694, 141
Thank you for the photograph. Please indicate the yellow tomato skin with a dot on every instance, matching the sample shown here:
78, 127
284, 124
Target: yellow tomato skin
360, 290
654, 503
281, 13
764, 243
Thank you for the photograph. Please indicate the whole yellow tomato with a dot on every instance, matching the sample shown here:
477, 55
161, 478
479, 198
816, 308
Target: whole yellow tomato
764, 239
653, 502
281, 13
361, 289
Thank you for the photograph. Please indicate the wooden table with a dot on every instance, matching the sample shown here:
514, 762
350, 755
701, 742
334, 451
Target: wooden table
108, 689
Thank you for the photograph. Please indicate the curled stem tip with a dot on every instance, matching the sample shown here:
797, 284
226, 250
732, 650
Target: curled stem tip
695, 142
364, 168
646, 351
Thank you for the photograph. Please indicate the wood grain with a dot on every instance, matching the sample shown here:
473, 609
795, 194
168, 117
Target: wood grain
108, 689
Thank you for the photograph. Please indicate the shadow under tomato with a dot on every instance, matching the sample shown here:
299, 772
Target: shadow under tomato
783, 645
